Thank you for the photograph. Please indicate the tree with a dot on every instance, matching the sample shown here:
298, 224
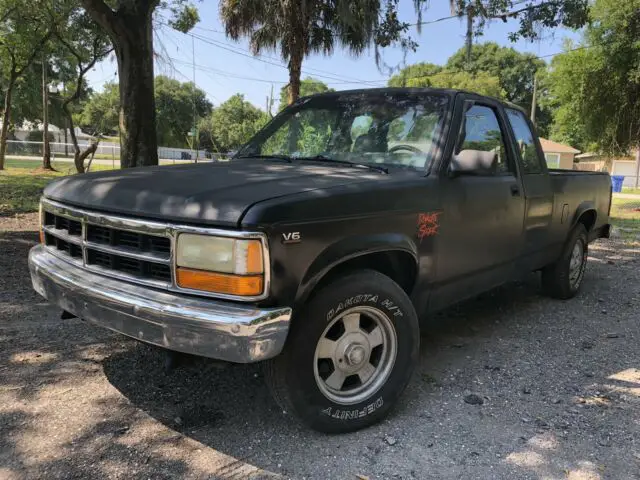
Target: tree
298, 29
534, 18
308, 86
100, 112
24, 31
515, 70
232, 124
174, 106
596, 85
130, 28
414, 75
175, 109
428, 75
480, 82
83, 45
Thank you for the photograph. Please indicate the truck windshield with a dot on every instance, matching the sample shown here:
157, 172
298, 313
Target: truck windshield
387, 128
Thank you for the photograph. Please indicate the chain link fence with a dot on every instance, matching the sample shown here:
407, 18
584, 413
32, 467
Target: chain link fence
107, 151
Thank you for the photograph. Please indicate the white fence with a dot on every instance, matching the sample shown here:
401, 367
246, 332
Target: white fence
106, 151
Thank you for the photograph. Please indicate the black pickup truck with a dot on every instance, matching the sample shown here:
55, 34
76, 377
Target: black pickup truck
319, 246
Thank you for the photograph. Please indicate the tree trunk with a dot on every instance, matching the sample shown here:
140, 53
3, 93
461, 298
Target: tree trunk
6, 119
134, 51
131, 33
46, 151
295, 70
78, 155
78, 161
66, 140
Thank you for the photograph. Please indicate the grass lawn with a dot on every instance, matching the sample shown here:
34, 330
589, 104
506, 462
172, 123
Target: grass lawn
22, 182
20, 189
625, 216
21, 185
631, 190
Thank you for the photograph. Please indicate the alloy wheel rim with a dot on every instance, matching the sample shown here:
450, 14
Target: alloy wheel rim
576, 262
355, 355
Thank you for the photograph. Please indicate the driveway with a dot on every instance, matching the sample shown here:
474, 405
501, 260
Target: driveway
559, 384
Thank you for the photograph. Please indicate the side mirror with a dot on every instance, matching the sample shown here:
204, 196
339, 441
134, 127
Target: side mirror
473, 162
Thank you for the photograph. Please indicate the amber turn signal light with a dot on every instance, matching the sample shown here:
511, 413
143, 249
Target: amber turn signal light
240, 285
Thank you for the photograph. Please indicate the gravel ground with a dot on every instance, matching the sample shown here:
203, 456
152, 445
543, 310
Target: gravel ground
554, 390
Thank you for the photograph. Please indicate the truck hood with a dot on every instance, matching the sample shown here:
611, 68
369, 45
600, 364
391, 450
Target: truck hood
207, 193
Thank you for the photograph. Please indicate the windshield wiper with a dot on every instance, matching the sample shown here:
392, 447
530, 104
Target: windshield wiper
276, 157
323, 158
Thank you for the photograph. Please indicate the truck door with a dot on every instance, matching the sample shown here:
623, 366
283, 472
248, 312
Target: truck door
482, 218
537, 249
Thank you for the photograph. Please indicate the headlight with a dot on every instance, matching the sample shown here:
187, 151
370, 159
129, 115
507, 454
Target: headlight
221, 265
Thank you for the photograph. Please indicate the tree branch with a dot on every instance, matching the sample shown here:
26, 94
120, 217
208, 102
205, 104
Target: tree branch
35, 52
7, 14
101, 13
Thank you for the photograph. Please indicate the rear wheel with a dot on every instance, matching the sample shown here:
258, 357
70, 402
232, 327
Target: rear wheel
349, 356
563, 278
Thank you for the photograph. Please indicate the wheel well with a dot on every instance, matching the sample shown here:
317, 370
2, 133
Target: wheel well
398, 265
588, 219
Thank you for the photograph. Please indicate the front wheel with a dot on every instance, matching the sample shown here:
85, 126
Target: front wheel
349, 355
562, 279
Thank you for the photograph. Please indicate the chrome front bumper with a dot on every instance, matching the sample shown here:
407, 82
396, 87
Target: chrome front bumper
209, 328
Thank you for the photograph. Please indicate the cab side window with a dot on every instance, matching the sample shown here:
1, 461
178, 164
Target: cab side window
481, 131
525, 140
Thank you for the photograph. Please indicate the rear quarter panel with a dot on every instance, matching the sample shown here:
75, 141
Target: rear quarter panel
575, 193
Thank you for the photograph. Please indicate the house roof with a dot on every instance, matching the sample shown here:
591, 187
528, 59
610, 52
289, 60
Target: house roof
554, 147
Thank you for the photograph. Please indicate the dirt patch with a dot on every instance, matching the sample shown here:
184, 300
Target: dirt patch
558, 381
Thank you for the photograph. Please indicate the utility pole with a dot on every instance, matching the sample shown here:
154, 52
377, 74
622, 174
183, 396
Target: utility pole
269, 105
637, 166
195, 127
46, 153
534, 100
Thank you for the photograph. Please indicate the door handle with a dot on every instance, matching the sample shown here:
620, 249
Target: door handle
515, 190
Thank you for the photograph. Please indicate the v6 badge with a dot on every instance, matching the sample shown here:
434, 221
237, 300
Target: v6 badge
291, 237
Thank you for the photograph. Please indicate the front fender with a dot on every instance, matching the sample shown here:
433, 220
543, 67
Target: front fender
350, 248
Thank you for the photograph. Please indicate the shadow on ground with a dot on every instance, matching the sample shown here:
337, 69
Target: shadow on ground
557, 379
229, 408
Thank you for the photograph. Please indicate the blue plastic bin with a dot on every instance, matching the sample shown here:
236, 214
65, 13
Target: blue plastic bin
616, 183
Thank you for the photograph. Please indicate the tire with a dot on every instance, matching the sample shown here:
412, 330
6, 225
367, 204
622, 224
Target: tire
563, 278
355, 311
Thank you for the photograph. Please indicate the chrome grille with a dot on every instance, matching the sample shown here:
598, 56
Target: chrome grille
134, 250
112, 249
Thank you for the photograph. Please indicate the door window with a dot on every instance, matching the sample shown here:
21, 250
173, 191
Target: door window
482, 132
526, 145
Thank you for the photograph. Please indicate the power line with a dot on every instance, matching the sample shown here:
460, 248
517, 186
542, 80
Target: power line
460, 15
225, 73
265, 58
337, 80
307, 69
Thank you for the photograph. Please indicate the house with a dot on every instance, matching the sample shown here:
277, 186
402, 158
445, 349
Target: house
60, 135
627, 166
558, 155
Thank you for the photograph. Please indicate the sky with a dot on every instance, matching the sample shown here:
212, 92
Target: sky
224, 67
